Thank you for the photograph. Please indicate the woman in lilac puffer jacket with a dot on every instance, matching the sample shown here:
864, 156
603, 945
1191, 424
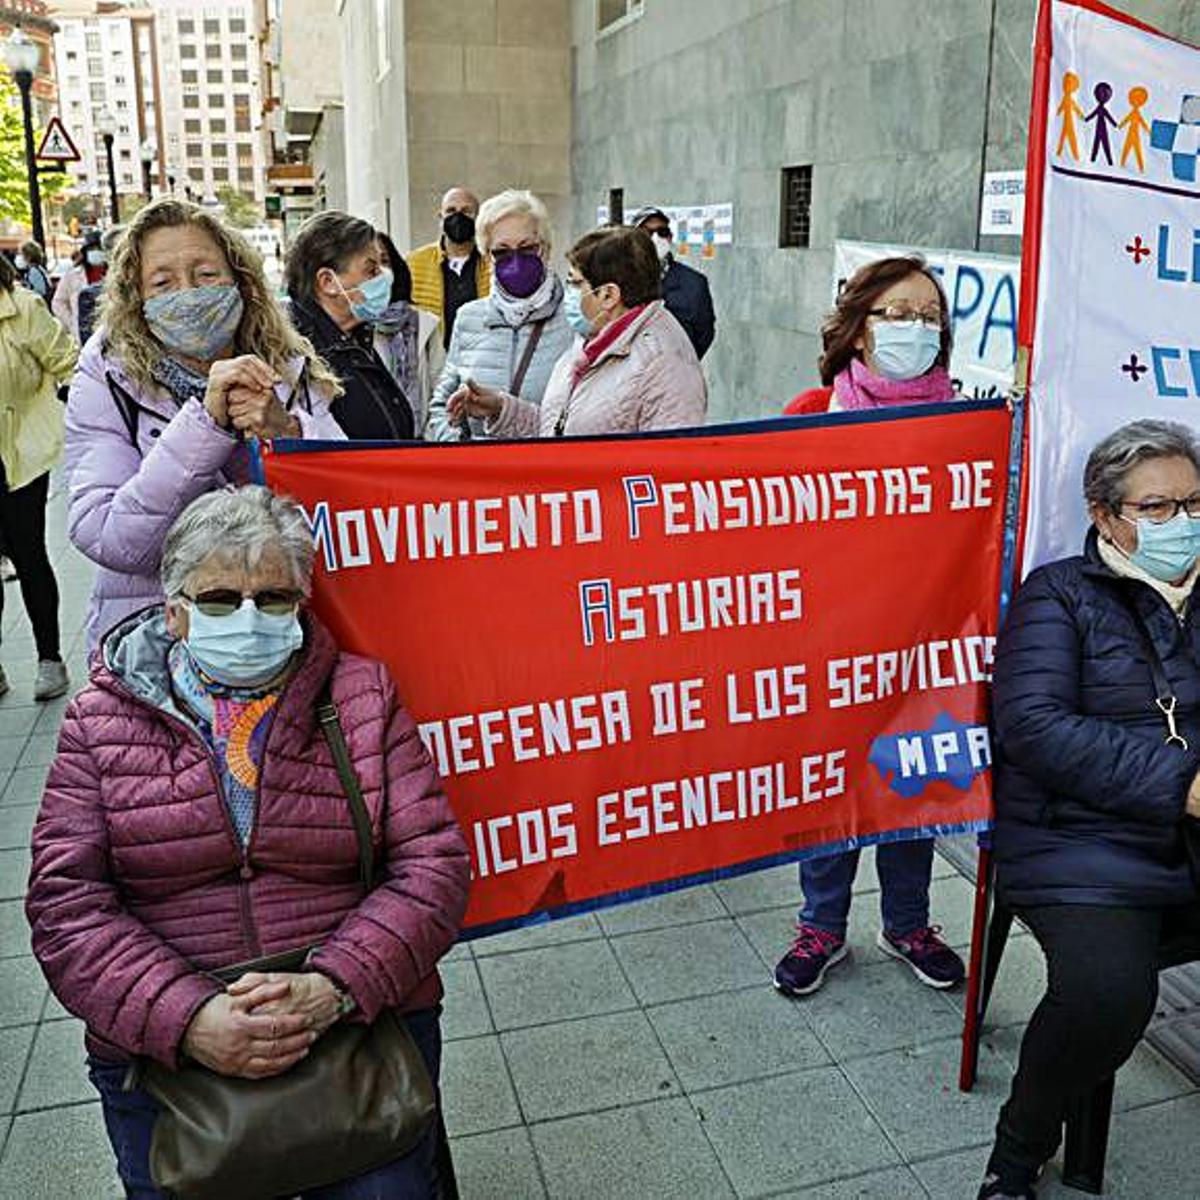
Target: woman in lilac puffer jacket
194, 819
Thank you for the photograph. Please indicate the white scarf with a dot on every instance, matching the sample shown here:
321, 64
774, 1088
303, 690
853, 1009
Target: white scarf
1175, 594
516, 311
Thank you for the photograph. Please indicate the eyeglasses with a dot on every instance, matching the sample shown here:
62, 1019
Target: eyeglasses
1158, 512
224, 602
931, 318
503, 253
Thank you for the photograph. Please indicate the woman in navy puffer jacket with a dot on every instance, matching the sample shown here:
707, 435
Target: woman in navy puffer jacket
1096, 782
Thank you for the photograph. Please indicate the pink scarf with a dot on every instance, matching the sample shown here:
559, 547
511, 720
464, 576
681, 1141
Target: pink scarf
858, 387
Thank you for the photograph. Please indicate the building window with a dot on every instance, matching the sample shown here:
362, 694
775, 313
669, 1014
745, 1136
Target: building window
96, 68
192, 125
191, 102
216, 125
241, 76
795, 207
217, 76
96, 91
212, 27
92, 42
241, 100
186, 27
219, 149
241, 121
238, 52
246, 177
216, 100
616, 206
187, 51
189, 76
221, 174
611, 14
195, 150
237, 26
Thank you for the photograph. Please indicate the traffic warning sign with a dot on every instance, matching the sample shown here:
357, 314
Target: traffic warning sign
57, 145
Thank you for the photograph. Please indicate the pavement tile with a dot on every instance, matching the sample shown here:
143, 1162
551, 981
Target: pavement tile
22, 991
14, 874
896, 1183
488, 1165
650, 1150
10, 750
39, 750
1020, 984
14, 1049
577, 979
958, 1176
465, 1009
951, 900
535, 937
83, 1165
56, 1074
580, 1066
792, 1131
16, 720
881, 1006
692, 960
14, 932
770, 932
735, 1036
16, 826
771, 888
913, 1093
476, 1092
25, 785
682, 907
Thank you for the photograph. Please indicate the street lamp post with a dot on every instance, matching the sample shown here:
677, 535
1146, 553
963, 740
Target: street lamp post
21, 57
149, 154
106, 126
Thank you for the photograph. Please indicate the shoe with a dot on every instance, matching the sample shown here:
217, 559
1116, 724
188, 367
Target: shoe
932, 961
51, 680
802, 969
7, 571
3, 682
994, 1188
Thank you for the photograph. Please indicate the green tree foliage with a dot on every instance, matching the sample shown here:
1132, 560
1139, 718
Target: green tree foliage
240, 209
14, 179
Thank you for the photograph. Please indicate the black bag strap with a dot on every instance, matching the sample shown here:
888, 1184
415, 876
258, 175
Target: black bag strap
127, 406
1164, 695
518, 379
331, 727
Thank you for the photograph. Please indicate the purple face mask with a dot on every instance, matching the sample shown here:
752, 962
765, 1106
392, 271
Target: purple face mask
521, 274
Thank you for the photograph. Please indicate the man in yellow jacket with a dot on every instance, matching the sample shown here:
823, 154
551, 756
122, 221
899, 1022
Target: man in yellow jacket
449, 272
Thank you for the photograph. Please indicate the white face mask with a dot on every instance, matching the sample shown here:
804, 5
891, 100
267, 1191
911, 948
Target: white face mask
20, 262
662, 245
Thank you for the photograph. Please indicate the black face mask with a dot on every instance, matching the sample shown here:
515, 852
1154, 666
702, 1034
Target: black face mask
459, 228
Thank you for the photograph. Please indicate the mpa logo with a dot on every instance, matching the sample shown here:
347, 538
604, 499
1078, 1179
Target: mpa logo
948, 750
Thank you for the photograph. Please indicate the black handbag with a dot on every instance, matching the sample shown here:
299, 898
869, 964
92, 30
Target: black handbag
361, 1098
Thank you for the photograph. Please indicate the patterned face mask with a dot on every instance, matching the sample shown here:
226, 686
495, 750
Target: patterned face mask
196, 322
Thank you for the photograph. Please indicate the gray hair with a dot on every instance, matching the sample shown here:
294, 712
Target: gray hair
513, 203
1138, 442
236, 525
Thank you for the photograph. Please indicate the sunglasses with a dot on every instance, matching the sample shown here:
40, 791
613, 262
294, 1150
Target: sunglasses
504, 253
224, 602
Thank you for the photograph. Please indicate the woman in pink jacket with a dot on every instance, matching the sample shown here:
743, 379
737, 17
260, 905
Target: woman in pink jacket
194, 818
634, 369
193, 357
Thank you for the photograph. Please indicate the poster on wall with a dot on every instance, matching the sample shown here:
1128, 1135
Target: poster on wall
1002, 206
981, 290
1111, 307
643, 663
697, 229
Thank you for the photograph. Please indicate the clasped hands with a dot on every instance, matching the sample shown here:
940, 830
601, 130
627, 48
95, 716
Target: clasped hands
262, 1024
472, 400
241, 396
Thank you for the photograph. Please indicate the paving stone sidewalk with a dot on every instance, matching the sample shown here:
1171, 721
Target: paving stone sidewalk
635, 1054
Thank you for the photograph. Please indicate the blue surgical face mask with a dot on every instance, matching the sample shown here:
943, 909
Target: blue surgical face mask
904, 349
573, 311
376, 296
247, 648
197, 322
1167, 550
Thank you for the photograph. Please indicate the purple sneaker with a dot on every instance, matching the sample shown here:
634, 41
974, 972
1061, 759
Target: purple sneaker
802, 969
932, 961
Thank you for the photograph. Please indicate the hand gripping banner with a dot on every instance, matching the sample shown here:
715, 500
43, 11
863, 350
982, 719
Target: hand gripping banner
645, 662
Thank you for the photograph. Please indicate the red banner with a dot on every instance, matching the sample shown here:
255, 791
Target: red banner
645, 661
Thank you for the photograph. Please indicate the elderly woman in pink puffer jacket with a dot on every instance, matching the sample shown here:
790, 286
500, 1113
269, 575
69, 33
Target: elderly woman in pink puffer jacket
634, 370
194, 818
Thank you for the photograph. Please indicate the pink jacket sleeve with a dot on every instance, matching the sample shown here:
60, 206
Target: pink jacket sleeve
121, 503
394, 938
102, 963
674, 394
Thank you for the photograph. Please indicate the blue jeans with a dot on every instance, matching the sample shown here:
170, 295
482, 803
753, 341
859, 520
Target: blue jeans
903, 868
129, 1118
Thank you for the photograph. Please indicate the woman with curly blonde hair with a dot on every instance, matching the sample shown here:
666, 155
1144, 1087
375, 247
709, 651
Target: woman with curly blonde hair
192, 357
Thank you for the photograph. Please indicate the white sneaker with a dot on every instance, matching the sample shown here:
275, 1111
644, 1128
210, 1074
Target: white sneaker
7, 571
51, 680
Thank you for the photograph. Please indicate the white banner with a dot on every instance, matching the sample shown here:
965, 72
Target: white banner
1117, 333
982, 291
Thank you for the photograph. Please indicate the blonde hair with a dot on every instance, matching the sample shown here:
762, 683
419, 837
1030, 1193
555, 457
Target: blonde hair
264, 329
513, 203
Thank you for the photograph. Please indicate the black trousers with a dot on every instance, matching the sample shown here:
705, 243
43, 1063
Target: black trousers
1102, 985
23, 531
